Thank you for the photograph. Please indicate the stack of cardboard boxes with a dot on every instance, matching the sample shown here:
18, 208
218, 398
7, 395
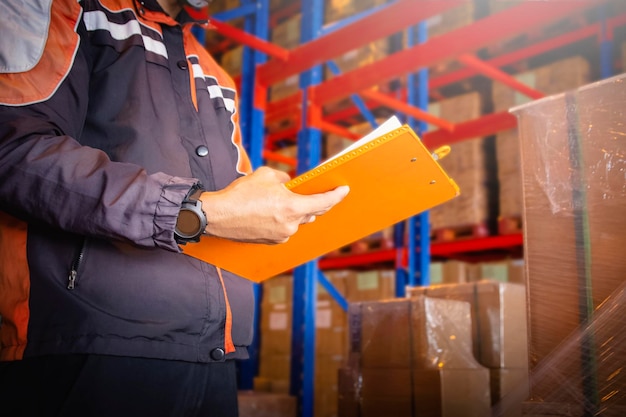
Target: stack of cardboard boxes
498, 339
456, 272
331, 331
275, 335
412, 357
466, 164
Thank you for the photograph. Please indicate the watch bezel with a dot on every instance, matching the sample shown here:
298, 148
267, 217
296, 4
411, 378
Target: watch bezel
193, 204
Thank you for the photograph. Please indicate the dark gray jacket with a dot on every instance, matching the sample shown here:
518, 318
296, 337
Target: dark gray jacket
101, 137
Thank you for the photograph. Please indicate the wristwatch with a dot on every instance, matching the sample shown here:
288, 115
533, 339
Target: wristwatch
191, 220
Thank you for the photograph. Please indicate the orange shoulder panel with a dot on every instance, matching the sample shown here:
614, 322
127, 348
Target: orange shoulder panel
41, 82
14, 287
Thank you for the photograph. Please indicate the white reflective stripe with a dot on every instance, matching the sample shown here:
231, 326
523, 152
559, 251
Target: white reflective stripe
196, 70
98, 20
216, 91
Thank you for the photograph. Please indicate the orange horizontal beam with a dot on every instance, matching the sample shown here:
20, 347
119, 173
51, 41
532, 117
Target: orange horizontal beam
277, 157
252, 41
392, 19
407, 109
447, 46
497, 74
436, 249
483, 126
328, 127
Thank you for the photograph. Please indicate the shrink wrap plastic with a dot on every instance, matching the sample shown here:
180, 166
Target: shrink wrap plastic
412, 357
573, 152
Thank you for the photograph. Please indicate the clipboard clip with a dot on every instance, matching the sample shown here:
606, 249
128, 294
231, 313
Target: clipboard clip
441, 152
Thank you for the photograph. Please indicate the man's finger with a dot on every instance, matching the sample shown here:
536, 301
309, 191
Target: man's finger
321, 203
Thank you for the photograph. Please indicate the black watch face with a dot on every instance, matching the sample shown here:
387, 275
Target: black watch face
188, 224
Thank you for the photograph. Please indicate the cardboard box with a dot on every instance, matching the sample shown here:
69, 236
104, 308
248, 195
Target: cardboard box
437, 392
466, 164
371, 285
286, 35
360, 57
349, 391
386, 392
276, 329
275, 366
331, 333
263, 404
331, 320
438, 335
498, 319
231, 61
327, 384
449, 272
503, 331
509, 390
216, 6
335, 10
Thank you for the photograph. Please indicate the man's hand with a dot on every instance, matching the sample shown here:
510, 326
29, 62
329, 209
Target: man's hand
259, 208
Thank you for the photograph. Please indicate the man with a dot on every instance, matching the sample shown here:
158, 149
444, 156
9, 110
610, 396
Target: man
113, 118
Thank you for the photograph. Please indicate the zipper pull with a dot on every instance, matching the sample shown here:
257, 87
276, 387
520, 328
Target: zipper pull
71, 283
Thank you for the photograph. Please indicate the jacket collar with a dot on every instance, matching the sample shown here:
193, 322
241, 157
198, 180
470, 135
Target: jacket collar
152, 7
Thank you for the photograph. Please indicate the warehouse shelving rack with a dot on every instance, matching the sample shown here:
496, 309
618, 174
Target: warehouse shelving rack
320, 45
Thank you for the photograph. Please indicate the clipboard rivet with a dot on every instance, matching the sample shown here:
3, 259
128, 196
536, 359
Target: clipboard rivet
433, 182
413, 159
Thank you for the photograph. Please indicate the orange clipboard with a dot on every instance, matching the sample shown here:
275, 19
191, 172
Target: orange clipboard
391, 177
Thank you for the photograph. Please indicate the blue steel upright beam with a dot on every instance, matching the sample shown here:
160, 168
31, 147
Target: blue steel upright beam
251, 122
305, 276
418, 245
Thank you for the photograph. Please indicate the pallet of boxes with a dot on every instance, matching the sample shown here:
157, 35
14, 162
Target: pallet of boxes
449, 350
331, 332
574, 189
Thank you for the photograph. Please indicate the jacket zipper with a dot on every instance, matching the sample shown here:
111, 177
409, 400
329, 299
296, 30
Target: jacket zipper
71, 281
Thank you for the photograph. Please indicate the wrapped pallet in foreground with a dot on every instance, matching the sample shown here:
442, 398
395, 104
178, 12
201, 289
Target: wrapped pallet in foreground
573, 153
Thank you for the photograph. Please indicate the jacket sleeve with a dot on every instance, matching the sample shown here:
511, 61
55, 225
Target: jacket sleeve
49, 178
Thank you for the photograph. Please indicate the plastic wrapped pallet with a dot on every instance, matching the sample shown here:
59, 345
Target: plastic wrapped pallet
498, 319
498, 326
573, 164
549, 79
412, 358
